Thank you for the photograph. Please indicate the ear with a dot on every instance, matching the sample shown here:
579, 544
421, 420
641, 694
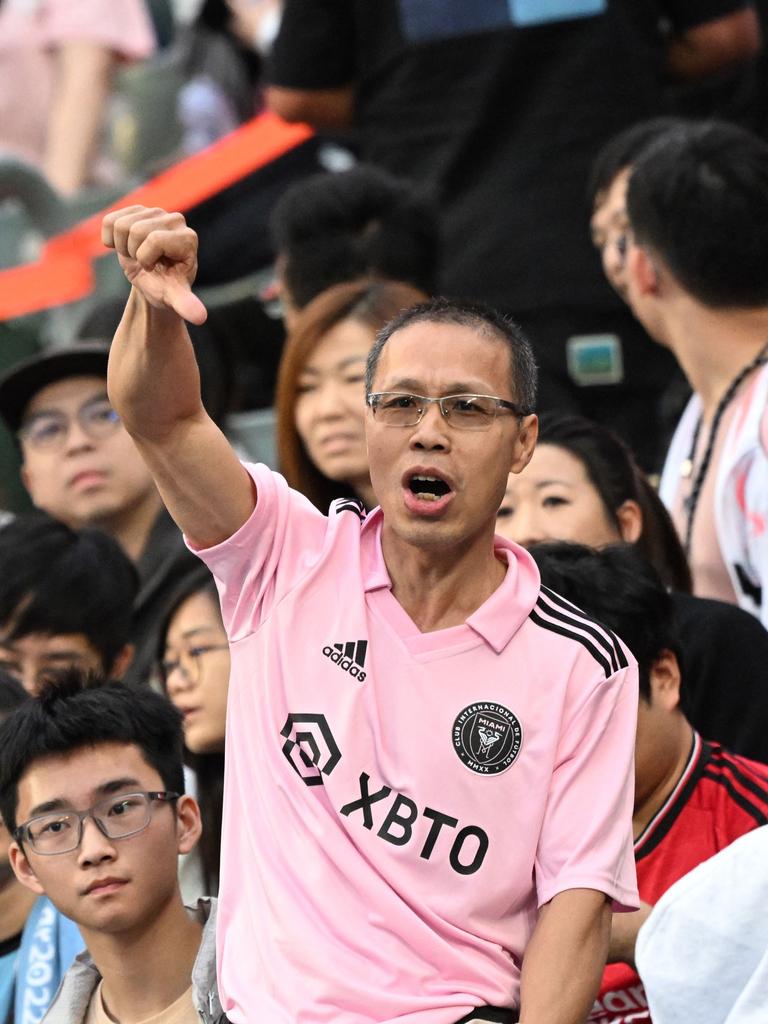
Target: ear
23, 869
642, 271
525, 442
665, 681
189, 826
630, 517
122, 661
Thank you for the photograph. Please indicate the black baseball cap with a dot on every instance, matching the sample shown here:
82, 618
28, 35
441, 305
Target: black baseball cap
20, 384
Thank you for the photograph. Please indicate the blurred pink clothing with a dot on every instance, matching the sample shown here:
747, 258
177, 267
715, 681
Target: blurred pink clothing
30, 33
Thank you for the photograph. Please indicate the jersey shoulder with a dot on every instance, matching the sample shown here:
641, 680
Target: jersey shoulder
563, 619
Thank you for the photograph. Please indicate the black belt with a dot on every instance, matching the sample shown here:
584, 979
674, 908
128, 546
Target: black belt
494, 1014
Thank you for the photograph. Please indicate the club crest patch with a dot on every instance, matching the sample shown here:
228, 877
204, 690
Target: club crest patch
487, 737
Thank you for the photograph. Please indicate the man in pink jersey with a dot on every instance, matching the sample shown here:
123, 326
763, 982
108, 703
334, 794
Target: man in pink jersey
429, 759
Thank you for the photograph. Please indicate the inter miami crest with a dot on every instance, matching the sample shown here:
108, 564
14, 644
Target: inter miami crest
487, 737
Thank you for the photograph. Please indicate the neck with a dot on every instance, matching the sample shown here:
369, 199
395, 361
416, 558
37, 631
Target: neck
442, 588
146, 970
713, 346
16, 902
364, 491
671, 768
131, 527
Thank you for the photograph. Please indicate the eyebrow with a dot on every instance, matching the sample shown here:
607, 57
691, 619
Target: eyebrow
349, 361
59, 803
454, 388
549, 483
99, 396
195, 631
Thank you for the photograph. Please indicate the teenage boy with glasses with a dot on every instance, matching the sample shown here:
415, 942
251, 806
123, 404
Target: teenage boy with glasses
92, 791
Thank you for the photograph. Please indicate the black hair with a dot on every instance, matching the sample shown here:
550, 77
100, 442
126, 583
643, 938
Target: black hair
612, 470
12, 695
75, 711
482, 319
332, 228
698, 199
208, 768
56, 580
621, 151
619, 589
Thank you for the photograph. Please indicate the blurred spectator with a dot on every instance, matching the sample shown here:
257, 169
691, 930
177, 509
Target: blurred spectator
37, 944
57, 58
692, 798
80, 466
703, 952
332, 228
499, 109
320, 389
66, 600
583, 485
195, 672
695, 276
92, 791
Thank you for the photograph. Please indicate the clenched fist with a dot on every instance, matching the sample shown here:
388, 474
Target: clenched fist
158, 253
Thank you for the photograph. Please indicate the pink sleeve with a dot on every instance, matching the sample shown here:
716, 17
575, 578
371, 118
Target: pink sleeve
586, 838
269, 554
122, 25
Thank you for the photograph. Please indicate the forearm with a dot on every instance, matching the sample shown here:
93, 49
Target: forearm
714, 46
624, 930
565, 959
83, 76
153, 378
154, 384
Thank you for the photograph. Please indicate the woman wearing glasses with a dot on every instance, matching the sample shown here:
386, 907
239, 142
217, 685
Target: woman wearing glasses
195, 673
320, 391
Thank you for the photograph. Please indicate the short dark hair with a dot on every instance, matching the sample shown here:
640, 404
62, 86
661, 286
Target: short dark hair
75, 711
621, 151
331, 228
698, 198
618, 588
482, 319
614, 473
55, 580
12, 695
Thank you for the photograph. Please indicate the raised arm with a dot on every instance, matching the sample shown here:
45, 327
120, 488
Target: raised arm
154, 383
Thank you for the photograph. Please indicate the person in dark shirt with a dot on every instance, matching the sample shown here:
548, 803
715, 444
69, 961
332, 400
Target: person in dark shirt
498, 109
80, 466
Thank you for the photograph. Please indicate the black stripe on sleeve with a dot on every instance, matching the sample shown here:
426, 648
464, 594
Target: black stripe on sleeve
588, 626
579, 613
720, 761
578, 637
738, 798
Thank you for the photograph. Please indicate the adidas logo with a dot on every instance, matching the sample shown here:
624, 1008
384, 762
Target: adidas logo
349, 656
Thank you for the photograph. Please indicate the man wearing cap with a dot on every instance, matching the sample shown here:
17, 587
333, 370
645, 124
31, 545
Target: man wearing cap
80, 466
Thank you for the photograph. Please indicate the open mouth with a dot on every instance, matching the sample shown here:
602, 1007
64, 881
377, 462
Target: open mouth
428, 488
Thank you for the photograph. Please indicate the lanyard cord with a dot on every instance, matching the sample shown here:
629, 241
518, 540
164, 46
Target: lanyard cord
692, 501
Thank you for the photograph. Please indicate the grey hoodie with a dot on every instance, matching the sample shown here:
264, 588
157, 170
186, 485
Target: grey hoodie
70, 1004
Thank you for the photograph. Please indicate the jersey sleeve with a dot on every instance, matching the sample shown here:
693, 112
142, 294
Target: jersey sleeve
269, 554
586, 838
315, 47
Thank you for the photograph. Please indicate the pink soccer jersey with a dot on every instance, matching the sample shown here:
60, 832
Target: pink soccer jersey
398, 804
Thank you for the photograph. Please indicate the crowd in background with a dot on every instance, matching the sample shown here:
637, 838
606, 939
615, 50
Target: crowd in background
596, 171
